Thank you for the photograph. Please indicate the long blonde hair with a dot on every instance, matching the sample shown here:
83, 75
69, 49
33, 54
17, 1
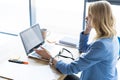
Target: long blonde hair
102, 19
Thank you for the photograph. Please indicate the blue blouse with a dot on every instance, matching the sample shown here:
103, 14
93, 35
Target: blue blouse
97, 62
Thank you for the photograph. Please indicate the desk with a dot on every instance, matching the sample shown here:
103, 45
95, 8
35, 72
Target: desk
11, 46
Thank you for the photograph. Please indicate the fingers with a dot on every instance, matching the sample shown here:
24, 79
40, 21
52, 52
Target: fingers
40, 48
86, 18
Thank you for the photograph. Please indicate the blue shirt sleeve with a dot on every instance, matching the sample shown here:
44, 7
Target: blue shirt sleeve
83, 46
85, 61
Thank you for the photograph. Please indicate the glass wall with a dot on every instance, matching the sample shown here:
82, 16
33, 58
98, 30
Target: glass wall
14, 15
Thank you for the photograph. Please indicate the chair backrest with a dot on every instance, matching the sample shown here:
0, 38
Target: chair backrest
119, 39
119, 48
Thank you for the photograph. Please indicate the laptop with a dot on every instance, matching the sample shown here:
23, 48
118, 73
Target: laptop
32, 38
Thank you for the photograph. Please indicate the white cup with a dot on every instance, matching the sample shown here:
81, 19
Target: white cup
45, 33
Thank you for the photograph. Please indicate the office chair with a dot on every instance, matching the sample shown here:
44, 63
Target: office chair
119, 48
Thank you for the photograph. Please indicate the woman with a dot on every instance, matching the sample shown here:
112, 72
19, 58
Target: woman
100, 57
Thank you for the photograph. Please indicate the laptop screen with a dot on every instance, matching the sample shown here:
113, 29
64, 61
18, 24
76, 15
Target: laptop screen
31, 38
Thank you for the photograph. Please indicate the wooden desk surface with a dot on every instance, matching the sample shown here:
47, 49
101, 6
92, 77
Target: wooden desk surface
11, 47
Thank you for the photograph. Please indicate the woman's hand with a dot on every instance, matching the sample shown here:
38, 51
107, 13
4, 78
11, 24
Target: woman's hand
88, 25
43, 52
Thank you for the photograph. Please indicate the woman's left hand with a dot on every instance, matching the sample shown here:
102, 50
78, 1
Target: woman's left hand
88, 25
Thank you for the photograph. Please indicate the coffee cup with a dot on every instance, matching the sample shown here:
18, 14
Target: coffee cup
45, 33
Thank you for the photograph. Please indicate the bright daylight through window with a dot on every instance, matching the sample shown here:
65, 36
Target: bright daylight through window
14, 15
64, 16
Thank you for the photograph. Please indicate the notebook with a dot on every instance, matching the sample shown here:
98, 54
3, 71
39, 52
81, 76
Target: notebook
69, 41
32, 38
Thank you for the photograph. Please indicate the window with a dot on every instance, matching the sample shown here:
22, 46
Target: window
14, 15
62, 16
116, 11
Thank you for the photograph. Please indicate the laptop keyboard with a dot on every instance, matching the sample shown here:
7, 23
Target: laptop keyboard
35, 55
47, 46
53, 49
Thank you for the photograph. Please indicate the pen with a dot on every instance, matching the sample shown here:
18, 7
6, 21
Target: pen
6, 78
18, 61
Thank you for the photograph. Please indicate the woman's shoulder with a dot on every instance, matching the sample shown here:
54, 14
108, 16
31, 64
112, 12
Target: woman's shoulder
105, 42
102, 42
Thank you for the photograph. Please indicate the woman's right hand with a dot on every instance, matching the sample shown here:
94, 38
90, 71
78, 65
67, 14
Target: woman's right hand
43, 52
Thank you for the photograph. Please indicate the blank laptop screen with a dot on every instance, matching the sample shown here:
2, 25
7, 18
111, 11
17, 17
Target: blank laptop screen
31, 38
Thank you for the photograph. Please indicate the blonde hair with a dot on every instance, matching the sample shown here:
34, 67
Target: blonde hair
102, 19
